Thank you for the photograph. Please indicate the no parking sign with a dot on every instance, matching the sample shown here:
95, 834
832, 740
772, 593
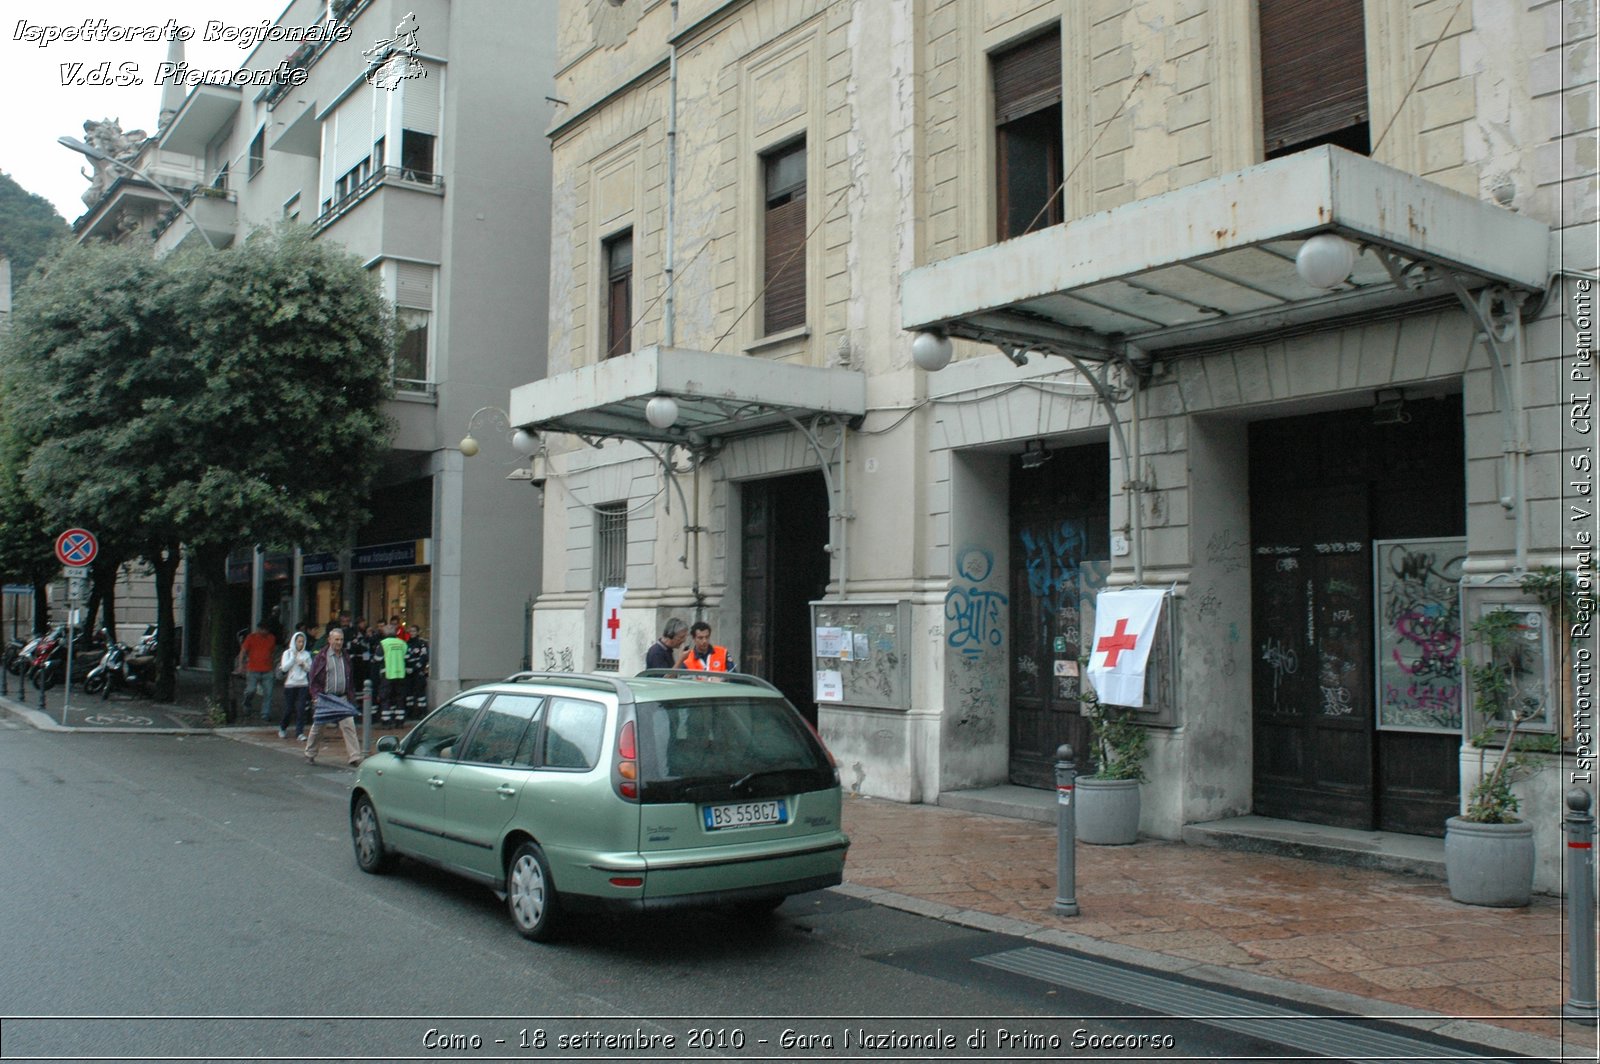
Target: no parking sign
76, 547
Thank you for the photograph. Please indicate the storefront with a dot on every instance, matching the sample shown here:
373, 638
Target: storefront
394, 580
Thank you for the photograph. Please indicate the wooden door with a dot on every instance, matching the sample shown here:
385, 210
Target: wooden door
1322, 489
784, 568
1058, 521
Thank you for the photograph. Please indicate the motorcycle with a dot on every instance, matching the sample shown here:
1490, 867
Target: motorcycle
20, 652
50, 661
125, 668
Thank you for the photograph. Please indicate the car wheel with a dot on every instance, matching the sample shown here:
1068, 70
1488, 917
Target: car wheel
530, 895
371, 855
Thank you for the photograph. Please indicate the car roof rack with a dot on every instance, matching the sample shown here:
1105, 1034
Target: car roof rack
616, 685
701, 674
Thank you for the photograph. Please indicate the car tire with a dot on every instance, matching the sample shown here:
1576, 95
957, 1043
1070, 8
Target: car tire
531, 894
372, 856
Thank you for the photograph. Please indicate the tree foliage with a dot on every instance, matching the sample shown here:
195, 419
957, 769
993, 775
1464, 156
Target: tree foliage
29, 226
212, 398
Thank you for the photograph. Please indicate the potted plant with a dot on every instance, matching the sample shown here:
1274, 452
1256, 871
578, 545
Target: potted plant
1488, 849
1108, 799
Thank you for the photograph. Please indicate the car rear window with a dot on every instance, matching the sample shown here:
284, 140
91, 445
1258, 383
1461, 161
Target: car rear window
694, 750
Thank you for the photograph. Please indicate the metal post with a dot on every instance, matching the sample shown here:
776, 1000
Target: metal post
1066, 833
1580, 1006
366, 717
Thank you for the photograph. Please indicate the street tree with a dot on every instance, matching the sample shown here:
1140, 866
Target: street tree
240, 404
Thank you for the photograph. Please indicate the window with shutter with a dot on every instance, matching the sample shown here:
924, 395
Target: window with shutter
784, 239
1028, 142
1313, 75
619, 294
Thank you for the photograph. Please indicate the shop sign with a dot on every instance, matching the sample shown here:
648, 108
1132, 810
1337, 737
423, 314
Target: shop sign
403, 555
318, 564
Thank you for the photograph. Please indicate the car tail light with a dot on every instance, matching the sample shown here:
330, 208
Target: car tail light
627, 881
627, 769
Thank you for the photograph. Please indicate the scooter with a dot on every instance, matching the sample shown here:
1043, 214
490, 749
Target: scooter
50, 663
125, 668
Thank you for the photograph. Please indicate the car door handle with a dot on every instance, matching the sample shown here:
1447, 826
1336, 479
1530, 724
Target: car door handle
507, 790
435, 782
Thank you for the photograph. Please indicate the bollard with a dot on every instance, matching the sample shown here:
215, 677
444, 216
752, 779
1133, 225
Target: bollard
1580, 1006
1066, 833
366, 718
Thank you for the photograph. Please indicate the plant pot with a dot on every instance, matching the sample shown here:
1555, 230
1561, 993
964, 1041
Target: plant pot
1108, 811
1489, 864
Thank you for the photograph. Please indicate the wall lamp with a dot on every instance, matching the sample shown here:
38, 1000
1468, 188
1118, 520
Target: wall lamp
931, 350
1325, 261
522, 441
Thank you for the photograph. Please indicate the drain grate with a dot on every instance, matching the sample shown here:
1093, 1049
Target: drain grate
1329, 1036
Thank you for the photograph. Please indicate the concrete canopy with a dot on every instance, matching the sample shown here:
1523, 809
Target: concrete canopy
206, 110
718, 396
1216, 261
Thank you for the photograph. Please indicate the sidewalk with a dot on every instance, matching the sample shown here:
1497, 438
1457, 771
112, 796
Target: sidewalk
1353, 940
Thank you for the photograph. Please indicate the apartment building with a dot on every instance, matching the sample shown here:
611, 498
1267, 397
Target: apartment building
886, 336
411, 134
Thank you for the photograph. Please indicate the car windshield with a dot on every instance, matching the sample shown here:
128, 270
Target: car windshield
694, 750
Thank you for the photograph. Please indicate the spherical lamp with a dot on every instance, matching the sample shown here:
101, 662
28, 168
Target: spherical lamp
1325, 261
468, 446
931, 351
524, 441
661, 411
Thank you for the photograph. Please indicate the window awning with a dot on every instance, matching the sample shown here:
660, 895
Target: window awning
1216, 261
717, 396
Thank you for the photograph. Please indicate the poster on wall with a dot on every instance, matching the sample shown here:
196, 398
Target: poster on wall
1417, 597
611, 622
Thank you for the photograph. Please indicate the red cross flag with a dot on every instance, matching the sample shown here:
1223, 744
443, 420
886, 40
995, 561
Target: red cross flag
1124, 627
611, 622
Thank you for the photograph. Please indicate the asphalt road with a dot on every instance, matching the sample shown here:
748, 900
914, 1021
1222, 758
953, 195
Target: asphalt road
192, 897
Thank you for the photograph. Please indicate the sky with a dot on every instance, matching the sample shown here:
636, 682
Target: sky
38, 107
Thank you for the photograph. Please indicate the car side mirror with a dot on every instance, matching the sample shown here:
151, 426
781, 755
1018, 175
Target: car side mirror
389, 744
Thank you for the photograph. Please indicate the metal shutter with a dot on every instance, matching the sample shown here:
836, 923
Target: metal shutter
786, 269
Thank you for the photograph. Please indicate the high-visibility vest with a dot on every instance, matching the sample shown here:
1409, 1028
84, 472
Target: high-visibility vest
717, 662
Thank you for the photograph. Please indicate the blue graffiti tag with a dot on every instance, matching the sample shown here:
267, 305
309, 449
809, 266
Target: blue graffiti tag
975, 617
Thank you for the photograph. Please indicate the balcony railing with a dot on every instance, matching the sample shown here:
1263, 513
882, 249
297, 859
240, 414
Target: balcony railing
305, 55
383, 175
201, 192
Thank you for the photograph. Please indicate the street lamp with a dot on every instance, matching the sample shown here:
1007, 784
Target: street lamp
83, 149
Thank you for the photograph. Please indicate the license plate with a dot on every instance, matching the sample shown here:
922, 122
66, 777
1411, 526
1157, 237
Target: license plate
746, 814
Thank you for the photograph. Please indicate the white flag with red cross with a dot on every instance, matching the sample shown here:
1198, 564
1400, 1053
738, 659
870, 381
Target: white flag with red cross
611, 622
1124, 628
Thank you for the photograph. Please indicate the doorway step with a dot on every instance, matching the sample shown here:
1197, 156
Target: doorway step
1415, 855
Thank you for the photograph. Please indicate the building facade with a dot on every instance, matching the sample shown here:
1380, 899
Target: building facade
406, 133
779, 220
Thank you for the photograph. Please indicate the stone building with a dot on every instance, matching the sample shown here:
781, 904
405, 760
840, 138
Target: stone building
778, 220
410, 134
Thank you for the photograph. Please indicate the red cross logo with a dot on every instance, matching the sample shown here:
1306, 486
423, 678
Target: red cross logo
612, 623
1115, 643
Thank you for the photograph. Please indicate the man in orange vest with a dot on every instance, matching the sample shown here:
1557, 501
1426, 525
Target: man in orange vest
702, 655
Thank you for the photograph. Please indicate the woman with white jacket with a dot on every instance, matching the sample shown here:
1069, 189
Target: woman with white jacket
295, 668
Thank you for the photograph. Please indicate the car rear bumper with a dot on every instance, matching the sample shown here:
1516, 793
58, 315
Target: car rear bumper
702, 899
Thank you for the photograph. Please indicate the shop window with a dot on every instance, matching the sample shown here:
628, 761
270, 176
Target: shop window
784, 230
1313, 75
610, 556
619, 294
1028, 144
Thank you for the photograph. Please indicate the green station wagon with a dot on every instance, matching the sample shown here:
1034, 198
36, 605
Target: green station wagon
567, 792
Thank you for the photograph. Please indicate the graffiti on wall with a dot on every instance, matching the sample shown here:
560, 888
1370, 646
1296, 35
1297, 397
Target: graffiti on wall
1419, 633
976, 614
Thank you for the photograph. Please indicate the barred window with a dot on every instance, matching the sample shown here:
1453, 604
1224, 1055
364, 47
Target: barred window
610, 558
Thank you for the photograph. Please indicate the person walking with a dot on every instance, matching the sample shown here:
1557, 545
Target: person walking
393, 673
667, 652
332, 699
703, 656
257, 655
295, 665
